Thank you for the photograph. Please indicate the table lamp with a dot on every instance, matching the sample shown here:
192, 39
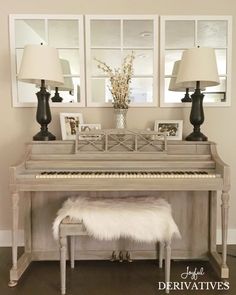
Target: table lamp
40, 65
181, 87
198, 65
68, 83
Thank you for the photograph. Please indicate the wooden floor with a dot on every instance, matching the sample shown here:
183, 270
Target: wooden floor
106, 278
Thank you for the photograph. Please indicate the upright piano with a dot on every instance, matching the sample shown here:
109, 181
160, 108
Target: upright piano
130, 161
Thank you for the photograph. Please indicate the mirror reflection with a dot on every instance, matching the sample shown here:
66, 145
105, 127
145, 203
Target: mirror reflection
183, 34
31, 31
180, 34
105, 33
111, 41
141, 90
53, 32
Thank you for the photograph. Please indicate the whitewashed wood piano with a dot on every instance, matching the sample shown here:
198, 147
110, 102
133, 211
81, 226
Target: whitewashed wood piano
121, 162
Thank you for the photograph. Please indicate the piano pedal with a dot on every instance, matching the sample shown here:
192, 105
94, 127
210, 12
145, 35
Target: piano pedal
128, 257
113, 256
121, 257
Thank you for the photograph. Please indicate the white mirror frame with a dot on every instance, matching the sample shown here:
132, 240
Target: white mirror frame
12, 19
195, 18
121, 18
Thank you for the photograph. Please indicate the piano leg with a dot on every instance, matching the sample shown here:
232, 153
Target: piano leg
19, 265
218, 261
15, 221
224, 224
212, 220
28, 221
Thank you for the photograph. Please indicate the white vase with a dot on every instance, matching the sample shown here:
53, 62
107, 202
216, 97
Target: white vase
120, 118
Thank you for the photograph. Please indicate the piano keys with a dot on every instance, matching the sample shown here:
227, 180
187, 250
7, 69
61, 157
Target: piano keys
128, 174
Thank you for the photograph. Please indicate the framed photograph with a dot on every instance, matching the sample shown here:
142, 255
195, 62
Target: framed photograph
69, 125
89, 127
173, 128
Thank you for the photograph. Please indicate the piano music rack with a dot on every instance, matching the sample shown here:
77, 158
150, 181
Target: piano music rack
121, 140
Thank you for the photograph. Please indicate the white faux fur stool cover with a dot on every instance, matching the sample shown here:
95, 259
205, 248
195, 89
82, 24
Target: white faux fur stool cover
144, 219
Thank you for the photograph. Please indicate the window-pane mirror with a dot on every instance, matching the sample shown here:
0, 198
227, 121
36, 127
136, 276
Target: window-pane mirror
111, 38
179, 33
66, 33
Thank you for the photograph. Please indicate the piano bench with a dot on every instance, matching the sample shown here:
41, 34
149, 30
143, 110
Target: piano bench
71, 229
143, 218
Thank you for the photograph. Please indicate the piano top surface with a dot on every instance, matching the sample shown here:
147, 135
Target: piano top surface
63, 154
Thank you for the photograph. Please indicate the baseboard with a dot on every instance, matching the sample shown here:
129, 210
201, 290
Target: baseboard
5, 237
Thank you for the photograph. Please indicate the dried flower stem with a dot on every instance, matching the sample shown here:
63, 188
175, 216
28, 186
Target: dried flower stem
120, 79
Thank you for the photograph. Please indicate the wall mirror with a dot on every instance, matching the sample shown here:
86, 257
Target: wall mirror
110, 39
66, 33
179, 33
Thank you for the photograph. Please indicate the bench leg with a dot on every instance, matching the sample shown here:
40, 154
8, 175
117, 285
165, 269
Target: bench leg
72, 251
167, 264
63, 264
161, 252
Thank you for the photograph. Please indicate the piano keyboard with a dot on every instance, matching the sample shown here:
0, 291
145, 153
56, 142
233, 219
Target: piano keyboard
112, 174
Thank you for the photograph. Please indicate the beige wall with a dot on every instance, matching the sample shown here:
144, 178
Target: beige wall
17, 125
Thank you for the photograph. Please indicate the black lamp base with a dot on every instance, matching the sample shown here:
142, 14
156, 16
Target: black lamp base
197, 115
186, 97
56, 97
196, 136
43, 114
44, 136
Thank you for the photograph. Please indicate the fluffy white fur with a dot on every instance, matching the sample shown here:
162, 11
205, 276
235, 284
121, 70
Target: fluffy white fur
144, 219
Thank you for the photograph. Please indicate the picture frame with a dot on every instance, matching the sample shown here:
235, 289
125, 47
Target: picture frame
69, 125
89, 127
174, 128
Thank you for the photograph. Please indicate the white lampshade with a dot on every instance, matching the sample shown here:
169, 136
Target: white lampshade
181, 87
198, 64
68, 83
40, 62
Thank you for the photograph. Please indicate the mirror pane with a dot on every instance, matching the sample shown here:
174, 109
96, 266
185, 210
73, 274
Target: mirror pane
214, 97
100, 91
179, 33
70, 91
143, 61
31, 31
212, 94
138, 33
111, 57
172, 96
72, 57
26, 92
216, 93
69, 61
19, 54
63, 33
219, 88
212, 33
141, 90
221, 61
105, 33
171, 56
